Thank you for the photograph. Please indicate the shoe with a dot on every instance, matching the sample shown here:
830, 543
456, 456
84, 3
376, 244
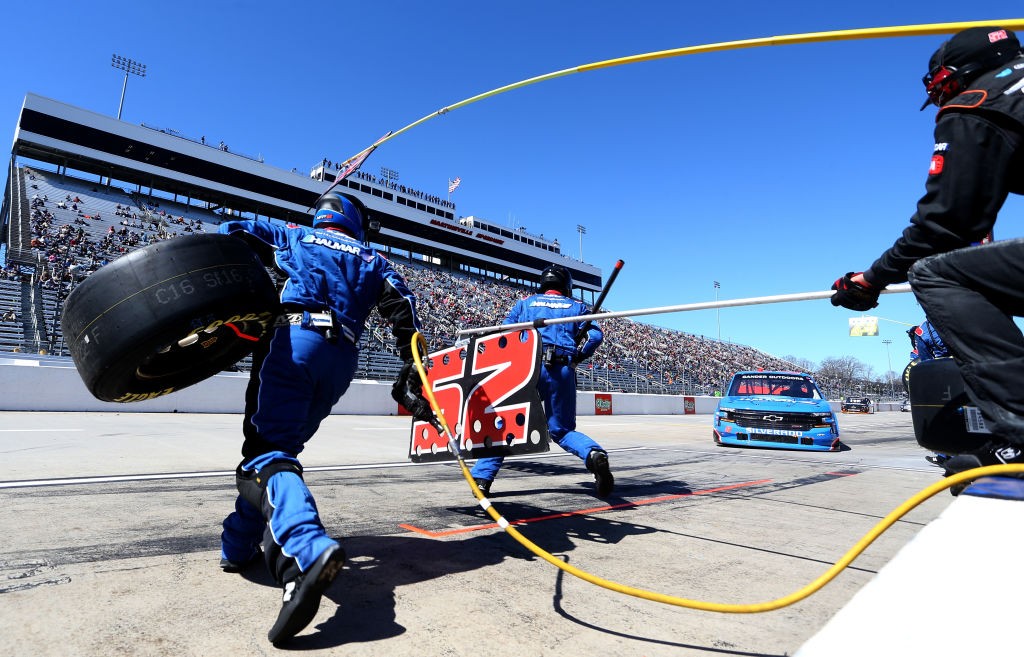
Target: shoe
230, 566
484, 485
937, 459
302, 595
597, 462
994, 452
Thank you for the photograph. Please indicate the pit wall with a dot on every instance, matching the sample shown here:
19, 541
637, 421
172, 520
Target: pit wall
39, 384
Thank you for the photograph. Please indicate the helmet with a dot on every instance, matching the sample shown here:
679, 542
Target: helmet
335, 210
963, 58
556, 277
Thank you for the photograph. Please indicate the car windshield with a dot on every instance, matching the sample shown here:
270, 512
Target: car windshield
785, 385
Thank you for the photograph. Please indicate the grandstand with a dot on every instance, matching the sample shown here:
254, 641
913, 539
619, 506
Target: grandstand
77, 199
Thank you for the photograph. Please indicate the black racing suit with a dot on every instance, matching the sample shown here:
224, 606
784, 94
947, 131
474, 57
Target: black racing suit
971, 293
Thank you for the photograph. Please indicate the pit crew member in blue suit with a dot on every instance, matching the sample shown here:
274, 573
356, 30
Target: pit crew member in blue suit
557, 384
333, 281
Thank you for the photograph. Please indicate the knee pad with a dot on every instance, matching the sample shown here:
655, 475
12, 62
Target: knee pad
252, 484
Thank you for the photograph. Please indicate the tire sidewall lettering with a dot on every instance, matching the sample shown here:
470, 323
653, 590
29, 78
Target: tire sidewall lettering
207, 325
129, 397
174, 291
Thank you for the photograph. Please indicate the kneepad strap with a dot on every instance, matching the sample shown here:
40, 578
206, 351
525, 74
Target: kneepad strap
252, 484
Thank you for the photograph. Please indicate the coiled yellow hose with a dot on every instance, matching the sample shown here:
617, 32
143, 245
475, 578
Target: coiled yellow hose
418, 342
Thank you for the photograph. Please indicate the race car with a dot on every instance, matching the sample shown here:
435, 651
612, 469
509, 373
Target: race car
781, 410
857, 405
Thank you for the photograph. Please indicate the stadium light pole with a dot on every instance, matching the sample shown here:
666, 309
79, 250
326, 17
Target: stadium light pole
129, 66
892, 391
582, 230
718, 311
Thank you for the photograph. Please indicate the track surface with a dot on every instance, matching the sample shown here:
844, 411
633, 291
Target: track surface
111, 530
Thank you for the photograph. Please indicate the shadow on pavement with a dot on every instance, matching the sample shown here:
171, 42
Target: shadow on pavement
379, 565
557, 604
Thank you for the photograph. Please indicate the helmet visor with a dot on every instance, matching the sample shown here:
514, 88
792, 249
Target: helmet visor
941, 83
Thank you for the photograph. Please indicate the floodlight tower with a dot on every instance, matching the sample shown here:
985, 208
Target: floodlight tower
892, 390
718, 311
582, 230
128, 66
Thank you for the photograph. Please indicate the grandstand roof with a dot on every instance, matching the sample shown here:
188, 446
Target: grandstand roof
78, 139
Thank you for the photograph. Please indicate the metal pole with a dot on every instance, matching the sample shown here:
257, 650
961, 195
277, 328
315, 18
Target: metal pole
888, 374
120, 105
727, 303
608, 285
129, 66
718, 312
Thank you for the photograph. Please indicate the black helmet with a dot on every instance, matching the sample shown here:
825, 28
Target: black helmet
556, 277
963, 58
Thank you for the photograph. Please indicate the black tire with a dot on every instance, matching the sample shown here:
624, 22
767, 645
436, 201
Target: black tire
168, 316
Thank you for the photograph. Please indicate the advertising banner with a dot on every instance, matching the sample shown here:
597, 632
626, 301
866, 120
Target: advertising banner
865, 326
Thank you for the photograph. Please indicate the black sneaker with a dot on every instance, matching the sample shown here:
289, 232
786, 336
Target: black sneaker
994, 452
302, 595
484, 485
937, 459
230, 566
597, 462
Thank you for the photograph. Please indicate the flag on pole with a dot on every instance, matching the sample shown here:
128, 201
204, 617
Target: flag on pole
453, 184
350, 165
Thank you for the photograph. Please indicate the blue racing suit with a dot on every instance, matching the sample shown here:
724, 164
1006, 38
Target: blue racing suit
557, 384
298, 375
928, 343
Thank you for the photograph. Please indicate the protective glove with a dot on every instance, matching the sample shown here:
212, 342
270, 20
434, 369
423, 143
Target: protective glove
854, 295
408, 391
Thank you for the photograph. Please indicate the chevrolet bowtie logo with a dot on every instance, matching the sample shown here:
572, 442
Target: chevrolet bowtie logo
772, 418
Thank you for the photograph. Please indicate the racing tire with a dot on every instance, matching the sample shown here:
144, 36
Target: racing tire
906, 375
168, 316
937, 407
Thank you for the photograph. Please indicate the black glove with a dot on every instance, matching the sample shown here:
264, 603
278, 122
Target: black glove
854, 295
408, 391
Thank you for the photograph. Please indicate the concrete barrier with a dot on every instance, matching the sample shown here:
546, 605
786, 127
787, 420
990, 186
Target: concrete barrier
41, 383
53, 384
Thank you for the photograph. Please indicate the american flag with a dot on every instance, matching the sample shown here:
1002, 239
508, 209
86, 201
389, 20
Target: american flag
453, 184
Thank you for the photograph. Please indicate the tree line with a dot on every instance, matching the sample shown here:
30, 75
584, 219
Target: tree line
845, 375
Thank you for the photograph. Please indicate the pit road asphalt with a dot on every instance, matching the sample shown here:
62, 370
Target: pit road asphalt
111, 526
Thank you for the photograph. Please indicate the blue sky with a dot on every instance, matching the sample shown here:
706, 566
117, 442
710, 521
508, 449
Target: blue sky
771, 170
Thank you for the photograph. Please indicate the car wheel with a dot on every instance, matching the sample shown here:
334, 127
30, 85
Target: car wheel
168, 316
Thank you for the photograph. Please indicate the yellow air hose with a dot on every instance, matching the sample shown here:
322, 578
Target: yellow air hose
927, 29
418, 342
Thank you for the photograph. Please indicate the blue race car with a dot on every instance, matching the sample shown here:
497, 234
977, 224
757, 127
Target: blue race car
776, 409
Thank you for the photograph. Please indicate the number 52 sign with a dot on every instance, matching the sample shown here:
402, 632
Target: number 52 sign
487, 391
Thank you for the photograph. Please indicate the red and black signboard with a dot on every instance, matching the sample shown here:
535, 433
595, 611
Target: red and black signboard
487, 391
